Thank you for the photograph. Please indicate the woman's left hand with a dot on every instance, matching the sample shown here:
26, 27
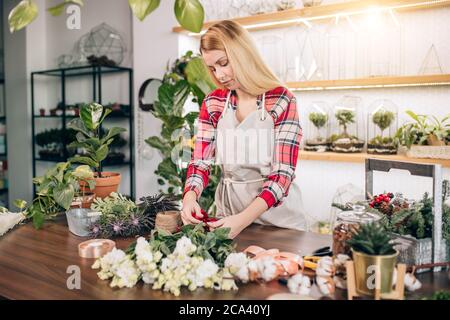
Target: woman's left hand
236, 223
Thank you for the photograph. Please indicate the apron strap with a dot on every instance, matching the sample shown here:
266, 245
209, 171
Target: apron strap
226, 103
263, 108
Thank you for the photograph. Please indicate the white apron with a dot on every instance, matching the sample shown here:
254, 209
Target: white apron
245, 167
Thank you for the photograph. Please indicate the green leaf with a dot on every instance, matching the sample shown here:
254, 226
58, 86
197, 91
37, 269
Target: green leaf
190, 14
22, 15
77, 124
83, 172
197, 75
91, 115
91, 184
210, 240
101, 153
58, 9
19, 203
158, 143
222, 233
112, 132
63, 195
84, 160
38, 219
142, 8
168, 168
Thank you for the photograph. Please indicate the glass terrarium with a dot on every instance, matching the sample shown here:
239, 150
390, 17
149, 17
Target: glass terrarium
382, 124
348, 126
319, 116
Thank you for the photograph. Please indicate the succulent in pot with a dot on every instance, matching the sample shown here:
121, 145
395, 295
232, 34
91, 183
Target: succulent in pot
95, 146
373, 253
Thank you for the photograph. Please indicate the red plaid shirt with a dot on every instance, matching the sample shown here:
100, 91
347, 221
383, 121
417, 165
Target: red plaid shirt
281, 105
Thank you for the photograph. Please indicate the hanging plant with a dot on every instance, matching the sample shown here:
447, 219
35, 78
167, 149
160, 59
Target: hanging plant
189, 13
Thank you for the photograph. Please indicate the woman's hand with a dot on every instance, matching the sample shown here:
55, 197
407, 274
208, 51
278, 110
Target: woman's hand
190, 205
236, 223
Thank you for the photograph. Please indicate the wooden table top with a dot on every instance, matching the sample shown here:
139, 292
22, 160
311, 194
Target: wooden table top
33, 265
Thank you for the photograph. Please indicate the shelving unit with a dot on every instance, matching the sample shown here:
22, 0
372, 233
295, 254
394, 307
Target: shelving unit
287, 18
361, 157
95, 74
374, 82
4, 187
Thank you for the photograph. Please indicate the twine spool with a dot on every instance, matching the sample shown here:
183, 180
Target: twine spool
168, 221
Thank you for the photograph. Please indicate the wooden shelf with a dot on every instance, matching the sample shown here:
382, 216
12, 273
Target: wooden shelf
372, 82
361, 157
286, 18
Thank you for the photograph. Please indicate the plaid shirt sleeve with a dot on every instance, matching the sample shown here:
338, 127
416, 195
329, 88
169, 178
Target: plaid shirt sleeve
204, 149
288, 134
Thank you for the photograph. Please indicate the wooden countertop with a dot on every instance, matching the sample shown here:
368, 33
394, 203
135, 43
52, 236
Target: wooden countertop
33, 265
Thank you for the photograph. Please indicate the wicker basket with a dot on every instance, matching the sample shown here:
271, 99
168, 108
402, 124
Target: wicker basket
433, 152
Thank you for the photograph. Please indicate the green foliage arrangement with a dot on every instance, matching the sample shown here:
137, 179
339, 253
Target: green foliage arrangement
420, 130
122, 217
214, 245
187, 76
372, 239
189, 13
55, 191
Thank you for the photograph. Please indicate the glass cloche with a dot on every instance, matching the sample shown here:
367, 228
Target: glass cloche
382, 124
348, 126
318, 127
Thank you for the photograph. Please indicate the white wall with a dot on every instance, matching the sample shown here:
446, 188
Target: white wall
154, 45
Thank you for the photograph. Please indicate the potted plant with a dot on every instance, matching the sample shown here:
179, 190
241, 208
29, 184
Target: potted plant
344, 141
95, 146
55, 191
188, 75
425, 140
373, 252
317, 135
380, 144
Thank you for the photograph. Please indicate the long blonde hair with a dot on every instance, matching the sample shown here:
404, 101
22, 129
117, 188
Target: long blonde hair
250, 70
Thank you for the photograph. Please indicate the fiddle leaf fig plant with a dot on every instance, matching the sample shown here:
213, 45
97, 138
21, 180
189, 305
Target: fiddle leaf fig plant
189, 13
89, 137
186, 77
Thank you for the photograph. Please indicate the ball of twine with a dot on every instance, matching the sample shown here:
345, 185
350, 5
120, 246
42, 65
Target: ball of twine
168, 221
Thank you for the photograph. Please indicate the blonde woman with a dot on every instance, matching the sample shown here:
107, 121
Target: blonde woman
250, 126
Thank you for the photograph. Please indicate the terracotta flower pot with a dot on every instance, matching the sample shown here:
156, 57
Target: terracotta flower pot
434, 141
109, 182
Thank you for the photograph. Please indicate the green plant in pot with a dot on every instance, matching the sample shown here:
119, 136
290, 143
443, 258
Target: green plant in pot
383, 119
373, 255
96, 146
187, 77
319, 120
56, 189
345, 142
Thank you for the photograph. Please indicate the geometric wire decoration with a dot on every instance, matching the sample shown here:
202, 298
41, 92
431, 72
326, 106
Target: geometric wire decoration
101, 41
431, 64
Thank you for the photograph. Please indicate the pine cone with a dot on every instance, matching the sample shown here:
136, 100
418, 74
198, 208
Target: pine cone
385, 208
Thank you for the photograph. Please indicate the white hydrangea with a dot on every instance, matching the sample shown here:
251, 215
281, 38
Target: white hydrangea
299, 284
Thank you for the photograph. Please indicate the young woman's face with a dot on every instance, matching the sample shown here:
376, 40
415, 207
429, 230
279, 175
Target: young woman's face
217, 61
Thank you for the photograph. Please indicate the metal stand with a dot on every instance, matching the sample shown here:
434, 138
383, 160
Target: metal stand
433, 171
